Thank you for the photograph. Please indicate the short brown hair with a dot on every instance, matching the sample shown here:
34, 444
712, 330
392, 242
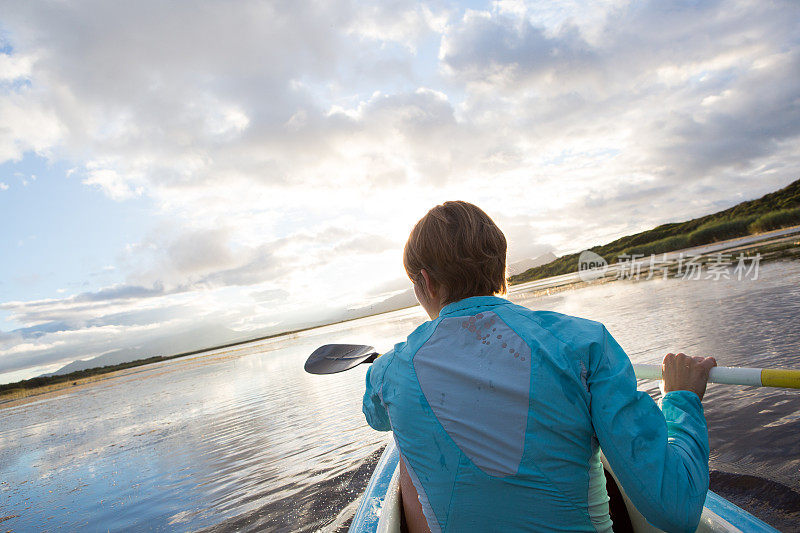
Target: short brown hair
461, 248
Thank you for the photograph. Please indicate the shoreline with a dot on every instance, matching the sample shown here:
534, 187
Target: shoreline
785, 247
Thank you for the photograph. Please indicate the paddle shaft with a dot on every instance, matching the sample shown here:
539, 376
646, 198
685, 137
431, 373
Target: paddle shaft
333, 358
752, 377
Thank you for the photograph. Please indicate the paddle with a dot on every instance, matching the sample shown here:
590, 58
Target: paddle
752, 377
333, 358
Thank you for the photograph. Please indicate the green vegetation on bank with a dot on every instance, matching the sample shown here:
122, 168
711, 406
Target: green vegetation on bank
715, 231
9, 389
776, 220
773, 211
42, 381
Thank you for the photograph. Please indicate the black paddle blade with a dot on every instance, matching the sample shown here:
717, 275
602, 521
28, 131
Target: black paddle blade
333, 358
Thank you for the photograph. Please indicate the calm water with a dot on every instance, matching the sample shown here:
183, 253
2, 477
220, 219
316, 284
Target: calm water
242, 438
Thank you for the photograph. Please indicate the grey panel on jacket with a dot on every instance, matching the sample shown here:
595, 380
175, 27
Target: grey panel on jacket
475, 374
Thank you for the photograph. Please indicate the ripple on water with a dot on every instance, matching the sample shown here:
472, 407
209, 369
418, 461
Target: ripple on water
244, 439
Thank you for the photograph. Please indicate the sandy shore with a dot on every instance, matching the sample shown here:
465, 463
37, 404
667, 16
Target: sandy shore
21, 396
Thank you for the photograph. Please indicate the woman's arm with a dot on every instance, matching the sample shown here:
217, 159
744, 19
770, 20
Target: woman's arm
412, 508
372, 405
661, 459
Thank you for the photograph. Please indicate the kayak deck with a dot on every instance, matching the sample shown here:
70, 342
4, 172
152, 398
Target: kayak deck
380, 509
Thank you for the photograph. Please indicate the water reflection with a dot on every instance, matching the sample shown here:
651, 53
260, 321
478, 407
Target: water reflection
244, 438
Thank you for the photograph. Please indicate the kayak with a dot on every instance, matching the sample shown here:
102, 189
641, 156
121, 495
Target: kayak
380, 509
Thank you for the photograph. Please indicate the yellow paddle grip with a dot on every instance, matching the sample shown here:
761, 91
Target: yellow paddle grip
777, 377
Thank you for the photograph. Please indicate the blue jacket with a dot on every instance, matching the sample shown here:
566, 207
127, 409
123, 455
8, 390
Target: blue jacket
499, 413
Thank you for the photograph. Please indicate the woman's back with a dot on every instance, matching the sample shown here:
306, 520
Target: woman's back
498, 411
497, 419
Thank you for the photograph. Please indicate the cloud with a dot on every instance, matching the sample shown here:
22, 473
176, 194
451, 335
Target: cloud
14, 68
530, 78
206, 258
121, 292
205, 107
524, 86
59, 331
693, 89
197, 277
269, 295
114, 185
742, 122
505, 50
390, 287
27, 125
369, 244
285, 149
64, 346
260, 264
199, 251
79, 310
402, 22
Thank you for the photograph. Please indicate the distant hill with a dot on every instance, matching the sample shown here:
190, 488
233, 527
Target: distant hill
772, 211
519, 267
407, 299
393, 303
194, 340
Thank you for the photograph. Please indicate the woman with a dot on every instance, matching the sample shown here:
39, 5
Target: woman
499, 412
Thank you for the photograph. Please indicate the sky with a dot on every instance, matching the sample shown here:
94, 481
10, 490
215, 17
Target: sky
215, 170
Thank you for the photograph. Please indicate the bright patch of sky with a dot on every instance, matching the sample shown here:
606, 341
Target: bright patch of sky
171, 175
62, 237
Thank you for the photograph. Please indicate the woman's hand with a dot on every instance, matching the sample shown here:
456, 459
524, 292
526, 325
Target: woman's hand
681, 372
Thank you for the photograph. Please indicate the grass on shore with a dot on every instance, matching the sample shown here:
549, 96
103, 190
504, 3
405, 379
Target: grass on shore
720, 231
19, 389
773, 211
